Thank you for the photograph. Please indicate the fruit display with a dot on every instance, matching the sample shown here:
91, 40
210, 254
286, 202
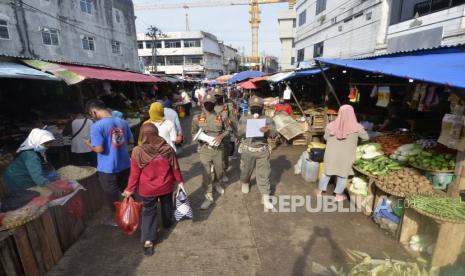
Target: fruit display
443, 207
389, 143
405, 182
368, 151
378, 166
432, 161
403, 152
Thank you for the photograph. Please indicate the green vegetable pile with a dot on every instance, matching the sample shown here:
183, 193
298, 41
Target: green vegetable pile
444, 207
433, 161
378, 166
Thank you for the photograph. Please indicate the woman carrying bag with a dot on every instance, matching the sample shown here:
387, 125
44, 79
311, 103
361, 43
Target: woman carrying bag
341, 137
154, 172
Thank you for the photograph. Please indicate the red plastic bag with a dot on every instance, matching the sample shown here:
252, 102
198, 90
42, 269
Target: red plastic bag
127, 215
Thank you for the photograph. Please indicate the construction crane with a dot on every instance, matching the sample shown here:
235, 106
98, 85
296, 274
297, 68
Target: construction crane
254, 10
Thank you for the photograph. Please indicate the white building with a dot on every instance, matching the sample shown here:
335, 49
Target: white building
197, 54
359, 28
287, 24
83, 31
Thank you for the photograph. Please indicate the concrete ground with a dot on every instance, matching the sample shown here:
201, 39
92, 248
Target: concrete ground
234, 237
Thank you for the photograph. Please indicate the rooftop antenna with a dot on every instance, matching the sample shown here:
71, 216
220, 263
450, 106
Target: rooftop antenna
186, 7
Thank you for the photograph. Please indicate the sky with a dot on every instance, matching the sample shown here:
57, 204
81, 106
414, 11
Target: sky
229, 24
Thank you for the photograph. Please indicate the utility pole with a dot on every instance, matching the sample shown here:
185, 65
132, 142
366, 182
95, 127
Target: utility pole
153, 33
187, 17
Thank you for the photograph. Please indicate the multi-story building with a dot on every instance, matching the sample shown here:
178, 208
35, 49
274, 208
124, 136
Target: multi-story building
266, 64
287, 25
93, 32
358, 28
197, 54
418, 24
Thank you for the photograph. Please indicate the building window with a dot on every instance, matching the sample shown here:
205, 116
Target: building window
172, 43
140, 45
403, 10
301, 55
318, 49
117, 16
293, 23
50, 36
4, 34
88, 43
368, 15
302, 18
86, 6
292, 60
194, 60
320, 6
115, 47
148, 44
191, 43
174, 60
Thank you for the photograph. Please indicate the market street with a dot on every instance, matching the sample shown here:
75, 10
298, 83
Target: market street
235, 236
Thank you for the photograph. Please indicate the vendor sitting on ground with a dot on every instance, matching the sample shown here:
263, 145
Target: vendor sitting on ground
283, 105
28, 169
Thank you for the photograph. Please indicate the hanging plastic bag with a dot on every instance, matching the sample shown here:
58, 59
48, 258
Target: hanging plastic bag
183, 207
127, 215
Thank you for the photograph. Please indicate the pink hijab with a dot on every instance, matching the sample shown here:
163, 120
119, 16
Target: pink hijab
345, 123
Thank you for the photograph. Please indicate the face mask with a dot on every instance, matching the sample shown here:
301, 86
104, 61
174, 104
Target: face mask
256, 110
209, 107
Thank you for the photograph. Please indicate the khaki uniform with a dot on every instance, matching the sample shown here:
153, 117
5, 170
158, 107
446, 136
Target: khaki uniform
256, 154
212, 125
229, 116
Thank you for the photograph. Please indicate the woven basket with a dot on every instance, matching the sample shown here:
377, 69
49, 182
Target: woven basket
37, 214
432, 171
90, 172
433, 216
364, 173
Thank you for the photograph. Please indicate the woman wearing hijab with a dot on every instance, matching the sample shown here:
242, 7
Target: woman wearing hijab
166, 128
28, 169
154, 171
341, 137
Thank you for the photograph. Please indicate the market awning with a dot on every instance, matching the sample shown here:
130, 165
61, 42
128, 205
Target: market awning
170, 79
73, 74
244, 75
445, 66
223, 79
280, 76
259, 79
248, 85
20, 71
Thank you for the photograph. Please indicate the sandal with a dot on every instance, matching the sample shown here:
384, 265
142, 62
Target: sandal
340, 198
319, 193
149, 249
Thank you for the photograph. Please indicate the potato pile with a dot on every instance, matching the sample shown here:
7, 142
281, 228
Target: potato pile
405, 182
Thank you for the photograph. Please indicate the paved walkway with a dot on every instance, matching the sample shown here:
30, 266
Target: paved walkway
235, 237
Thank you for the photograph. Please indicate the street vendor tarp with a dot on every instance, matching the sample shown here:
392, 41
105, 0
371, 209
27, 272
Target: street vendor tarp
280, 76
244, 75
20, 71
444, 66
170, 79
73, 74
285, 76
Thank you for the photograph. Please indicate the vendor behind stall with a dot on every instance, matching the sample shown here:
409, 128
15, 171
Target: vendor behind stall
283, 105
29, 168
395, 121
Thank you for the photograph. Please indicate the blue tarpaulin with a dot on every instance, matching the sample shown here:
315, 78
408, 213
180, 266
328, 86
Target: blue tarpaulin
15, 70
445, 66
244, 75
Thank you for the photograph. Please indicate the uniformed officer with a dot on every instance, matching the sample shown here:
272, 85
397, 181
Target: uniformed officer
227, 112
256, 151
213, 125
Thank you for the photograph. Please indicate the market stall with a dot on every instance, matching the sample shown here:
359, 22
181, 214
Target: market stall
410, 175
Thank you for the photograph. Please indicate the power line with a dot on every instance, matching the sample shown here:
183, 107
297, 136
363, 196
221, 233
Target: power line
66, 22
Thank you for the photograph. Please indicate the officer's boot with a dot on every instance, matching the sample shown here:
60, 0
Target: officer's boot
207, 202
245, 188
225, 178
219, 189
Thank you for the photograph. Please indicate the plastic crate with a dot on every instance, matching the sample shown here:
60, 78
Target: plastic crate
440, 181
